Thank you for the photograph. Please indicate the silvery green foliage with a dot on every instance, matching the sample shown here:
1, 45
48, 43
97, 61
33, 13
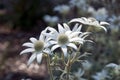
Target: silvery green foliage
62, 47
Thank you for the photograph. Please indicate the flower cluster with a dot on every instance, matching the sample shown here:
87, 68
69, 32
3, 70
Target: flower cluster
65, 41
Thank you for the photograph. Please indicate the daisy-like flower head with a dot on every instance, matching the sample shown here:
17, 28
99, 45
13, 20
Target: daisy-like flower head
63, 38
37, 48
77, 28
90, 22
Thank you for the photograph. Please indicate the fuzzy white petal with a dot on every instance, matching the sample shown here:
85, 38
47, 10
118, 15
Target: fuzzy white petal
85, 33
41, 37
54, 47
53, 42
75, 39
67, 28
75, 27
33, 40
72, 45
60, 29
104, 28
73, 34
104, 23
39, 57
28, 44
48, 44
68, 32
48, 51
79, 28
64, 49
32, 58
27, 50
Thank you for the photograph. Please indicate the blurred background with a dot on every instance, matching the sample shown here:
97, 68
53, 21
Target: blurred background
22, 19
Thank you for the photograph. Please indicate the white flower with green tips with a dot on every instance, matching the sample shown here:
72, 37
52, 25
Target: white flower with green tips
90, 22
37, 48
63, 39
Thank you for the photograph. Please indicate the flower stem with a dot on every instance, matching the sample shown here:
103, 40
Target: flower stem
49, 67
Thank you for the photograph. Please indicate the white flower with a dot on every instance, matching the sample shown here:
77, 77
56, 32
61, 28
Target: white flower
63, 9
91, 22
79, 74
37, 48
63, 39
103, 75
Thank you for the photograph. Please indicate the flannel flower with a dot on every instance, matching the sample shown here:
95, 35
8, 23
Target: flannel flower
63, 38
90, 22
77, 28
37, 48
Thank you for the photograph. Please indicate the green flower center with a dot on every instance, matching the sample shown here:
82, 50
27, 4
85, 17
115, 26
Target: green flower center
39, 45
63, 39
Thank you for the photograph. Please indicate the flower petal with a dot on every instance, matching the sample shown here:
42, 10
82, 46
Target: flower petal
75, 20
75, 27
53, 42
60, 29
67, 28
73, 34
84, 34
32, 58
68, 32
41, 37
75, 39
104, 28
104, 23
54, 47
64, 49
28, 44
39, 57
47, 50
33, 40
27, 50
72, 45
79, 28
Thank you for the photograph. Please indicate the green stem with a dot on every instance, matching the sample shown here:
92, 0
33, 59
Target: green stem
49, 67
68, 69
